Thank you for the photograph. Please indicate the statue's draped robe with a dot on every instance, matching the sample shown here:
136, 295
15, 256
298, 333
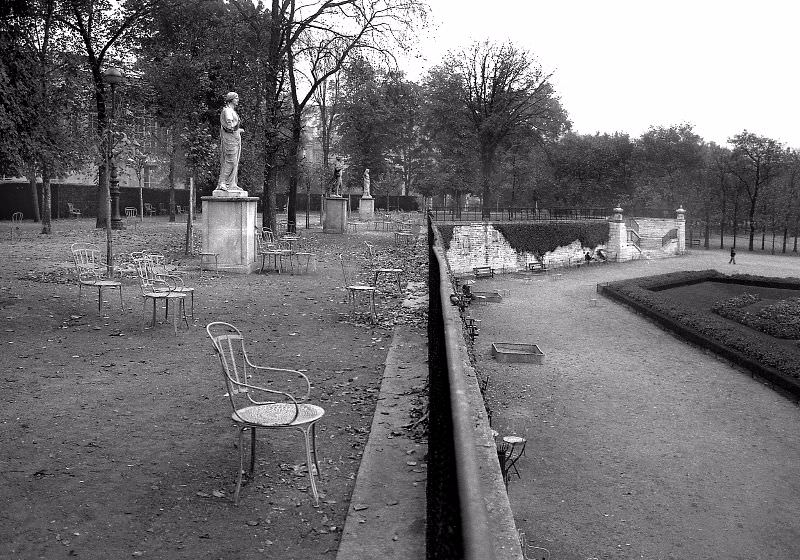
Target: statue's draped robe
230, 149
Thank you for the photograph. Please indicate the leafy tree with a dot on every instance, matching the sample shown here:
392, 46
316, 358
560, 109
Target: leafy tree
48, 98
754, 162
669, 164
100, 31
501, 91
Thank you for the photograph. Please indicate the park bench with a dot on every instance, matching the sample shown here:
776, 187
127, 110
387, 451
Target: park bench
536, 266
483, 272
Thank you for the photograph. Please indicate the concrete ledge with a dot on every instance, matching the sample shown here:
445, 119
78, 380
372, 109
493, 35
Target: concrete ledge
386, 519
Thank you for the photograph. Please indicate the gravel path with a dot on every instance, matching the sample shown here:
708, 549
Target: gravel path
639, 445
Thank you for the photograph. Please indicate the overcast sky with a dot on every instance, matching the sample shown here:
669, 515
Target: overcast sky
626, 65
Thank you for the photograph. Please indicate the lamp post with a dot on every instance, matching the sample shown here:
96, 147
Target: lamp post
114, 77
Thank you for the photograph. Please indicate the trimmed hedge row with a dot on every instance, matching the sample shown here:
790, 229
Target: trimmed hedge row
543, 238
775, 363
781, 319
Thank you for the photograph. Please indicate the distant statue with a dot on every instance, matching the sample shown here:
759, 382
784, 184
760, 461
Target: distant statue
230, 145
366, 184
336, 189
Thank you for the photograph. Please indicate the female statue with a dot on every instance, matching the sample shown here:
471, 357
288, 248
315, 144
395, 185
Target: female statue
230, 144
366, 184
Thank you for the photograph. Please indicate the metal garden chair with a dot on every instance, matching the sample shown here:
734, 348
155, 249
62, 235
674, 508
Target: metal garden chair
73, 211
276, 251
156, 288
378, 270
254, 406
16, 223
91, 271
355, 289
164, 272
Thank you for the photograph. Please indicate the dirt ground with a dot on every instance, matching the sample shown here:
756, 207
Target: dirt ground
639, 445
117, 443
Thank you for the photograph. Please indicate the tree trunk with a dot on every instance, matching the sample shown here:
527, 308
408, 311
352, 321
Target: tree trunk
34, 196
707, 228
486, 175
294, 143
47, 226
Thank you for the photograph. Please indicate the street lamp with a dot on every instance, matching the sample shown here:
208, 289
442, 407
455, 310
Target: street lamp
113, 77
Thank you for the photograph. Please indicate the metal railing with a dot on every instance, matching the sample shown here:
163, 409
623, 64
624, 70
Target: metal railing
517, 214
457, 524
669, 236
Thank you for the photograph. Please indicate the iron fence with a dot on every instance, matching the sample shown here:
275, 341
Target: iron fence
449, 214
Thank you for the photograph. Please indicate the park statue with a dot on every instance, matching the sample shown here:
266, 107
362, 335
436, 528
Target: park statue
366, 184
336, 188
230, 146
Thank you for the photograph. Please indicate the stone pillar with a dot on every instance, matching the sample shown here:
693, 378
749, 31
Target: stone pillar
366, 211
618, 235
335, 215
229, 231
680, 223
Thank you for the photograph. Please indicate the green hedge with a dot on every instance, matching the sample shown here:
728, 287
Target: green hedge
542, 238
778, 364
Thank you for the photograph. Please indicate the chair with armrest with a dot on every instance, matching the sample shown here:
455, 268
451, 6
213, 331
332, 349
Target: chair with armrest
255, 406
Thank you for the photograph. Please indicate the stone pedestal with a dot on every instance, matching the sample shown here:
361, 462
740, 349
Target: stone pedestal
229, 231
335, 215
618, 236
680, 225
366, 210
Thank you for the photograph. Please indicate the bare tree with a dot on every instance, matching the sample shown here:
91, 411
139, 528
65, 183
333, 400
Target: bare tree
503, 91
754, 162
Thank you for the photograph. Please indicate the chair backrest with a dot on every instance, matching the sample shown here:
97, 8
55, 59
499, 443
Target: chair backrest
130, 212
16, 218
148, 207
149, 280
87, 261
350, 271
237, 369
370, 252
228, 344
70, 207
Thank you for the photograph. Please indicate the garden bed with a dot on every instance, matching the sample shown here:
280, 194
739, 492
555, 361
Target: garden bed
777, 361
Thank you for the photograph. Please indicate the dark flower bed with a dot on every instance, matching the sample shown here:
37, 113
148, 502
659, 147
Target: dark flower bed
778, 363
781, 319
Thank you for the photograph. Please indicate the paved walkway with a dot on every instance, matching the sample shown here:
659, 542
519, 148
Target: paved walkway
639, 445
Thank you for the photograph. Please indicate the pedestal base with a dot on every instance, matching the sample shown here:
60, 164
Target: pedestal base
219, 193
335, 215
229, 231
366, 210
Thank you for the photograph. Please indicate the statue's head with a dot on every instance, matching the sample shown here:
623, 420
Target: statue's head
231, 96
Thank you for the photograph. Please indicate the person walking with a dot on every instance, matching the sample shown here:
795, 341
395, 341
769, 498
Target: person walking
733, 256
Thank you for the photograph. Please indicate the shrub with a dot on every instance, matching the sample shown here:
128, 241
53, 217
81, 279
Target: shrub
542, 238
781, 319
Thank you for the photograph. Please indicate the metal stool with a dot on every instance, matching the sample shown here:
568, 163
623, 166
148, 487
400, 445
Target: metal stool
204, 256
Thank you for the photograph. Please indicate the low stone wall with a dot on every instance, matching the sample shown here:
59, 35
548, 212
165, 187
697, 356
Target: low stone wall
482, 244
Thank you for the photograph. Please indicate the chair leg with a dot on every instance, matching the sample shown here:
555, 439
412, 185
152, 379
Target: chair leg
252, 451
314, 449
241, 469
144, 309
154, 313
183, 310
99, 299
309, 463
121, 303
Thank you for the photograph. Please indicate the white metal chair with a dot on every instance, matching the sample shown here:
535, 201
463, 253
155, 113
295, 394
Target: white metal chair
355, 289
275, 251
378, 270
74, 212
91, 271
158, 288
16, 223
164, 272
130, 215
254, 406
